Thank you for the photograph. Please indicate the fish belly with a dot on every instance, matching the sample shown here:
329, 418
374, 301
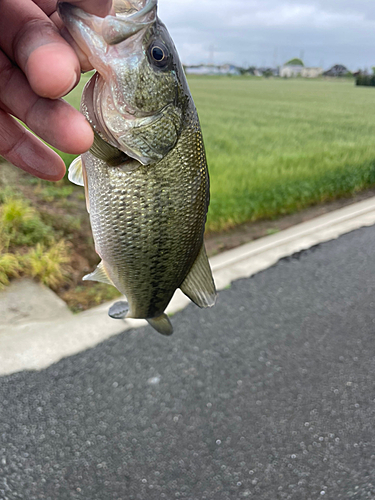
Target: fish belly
148, 224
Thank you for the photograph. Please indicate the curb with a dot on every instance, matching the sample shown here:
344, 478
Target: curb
35, 345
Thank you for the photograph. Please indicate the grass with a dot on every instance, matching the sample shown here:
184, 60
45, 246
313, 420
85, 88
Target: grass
273, 146
276, 146
49, 265
28, 247
21, 225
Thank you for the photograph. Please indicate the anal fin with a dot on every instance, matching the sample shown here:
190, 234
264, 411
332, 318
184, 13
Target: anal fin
100, 274
199, 284
162, 325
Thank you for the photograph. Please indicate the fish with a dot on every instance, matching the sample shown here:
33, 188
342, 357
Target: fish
146, 178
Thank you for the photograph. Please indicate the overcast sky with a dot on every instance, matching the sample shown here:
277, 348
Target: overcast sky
269, 32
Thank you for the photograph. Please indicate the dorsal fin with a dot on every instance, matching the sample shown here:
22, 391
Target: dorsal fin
199, 285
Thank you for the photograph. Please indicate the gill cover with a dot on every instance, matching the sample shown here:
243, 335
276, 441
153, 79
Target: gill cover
133, 102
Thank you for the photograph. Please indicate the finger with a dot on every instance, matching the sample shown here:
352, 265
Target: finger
53, 70
47, 6
56, 122
23, 149
98, 7
33, 41
82, 57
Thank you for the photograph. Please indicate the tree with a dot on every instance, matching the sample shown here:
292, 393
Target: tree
295, 62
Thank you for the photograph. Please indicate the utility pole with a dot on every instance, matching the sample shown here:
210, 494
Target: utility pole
211, 57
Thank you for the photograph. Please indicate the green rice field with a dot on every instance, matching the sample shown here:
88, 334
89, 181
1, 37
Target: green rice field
275, 146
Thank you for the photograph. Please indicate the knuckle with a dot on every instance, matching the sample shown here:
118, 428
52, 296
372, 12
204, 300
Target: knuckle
32, 34
7, 71
12, 136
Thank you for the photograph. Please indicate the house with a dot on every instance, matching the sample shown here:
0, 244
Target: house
201, 69
209, 69
298, 69
312, 72
229, 69
267, 72
291, 70
337, 70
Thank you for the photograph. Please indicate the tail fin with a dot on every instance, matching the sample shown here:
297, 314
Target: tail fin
162, 325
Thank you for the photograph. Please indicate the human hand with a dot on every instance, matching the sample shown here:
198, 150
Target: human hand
37, 67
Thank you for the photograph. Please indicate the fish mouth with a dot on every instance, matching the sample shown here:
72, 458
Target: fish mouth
111, 29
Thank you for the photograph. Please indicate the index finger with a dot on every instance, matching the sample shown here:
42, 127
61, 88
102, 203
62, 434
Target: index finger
98, 7
33, 41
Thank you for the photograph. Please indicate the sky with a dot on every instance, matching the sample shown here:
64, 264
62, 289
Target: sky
270, 32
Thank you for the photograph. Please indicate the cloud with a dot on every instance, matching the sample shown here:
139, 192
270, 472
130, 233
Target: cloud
264, 32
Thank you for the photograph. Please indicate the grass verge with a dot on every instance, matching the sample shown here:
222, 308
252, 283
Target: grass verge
274, 147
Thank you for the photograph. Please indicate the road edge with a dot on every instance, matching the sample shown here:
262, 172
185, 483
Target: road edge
37, 345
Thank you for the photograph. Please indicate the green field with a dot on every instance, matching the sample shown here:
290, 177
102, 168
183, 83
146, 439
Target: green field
275, 146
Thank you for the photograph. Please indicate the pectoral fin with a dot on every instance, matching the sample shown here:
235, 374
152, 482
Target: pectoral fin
199, 285
100, 274
107, 153
162, 325
75, 174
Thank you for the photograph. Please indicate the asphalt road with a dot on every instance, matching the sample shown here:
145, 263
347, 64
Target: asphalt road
269, 396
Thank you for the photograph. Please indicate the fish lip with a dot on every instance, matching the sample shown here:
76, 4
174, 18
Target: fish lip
66, 9
112, 29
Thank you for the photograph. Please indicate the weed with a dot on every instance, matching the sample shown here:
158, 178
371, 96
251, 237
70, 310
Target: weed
55, 192
21, 225
10, 267
84, 297
48, 265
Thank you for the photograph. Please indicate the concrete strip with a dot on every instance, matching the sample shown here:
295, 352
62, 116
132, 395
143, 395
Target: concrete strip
38, 344
25, 301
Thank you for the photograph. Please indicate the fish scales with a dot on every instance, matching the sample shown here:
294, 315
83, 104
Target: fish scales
146, 178
152, 229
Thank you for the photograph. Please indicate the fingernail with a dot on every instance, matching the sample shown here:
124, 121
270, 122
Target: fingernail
71, 86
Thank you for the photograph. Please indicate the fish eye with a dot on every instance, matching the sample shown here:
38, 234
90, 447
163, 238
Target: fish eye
158, 54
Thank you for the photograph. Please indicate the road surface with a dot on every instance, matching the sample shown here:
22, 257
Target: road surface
268, 396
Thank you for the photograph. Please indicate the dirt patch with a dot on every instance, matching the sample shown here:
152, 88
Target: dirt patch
245, 233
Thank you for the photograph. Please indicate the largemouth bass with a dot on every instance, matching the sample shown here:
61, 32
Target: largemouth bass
146, 177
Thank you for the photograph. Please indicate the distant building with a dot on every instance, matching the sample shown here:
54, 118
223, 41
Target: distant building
266, 72
209, 69
337, 70
291, 71
312, 72
294, 70
229, 69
